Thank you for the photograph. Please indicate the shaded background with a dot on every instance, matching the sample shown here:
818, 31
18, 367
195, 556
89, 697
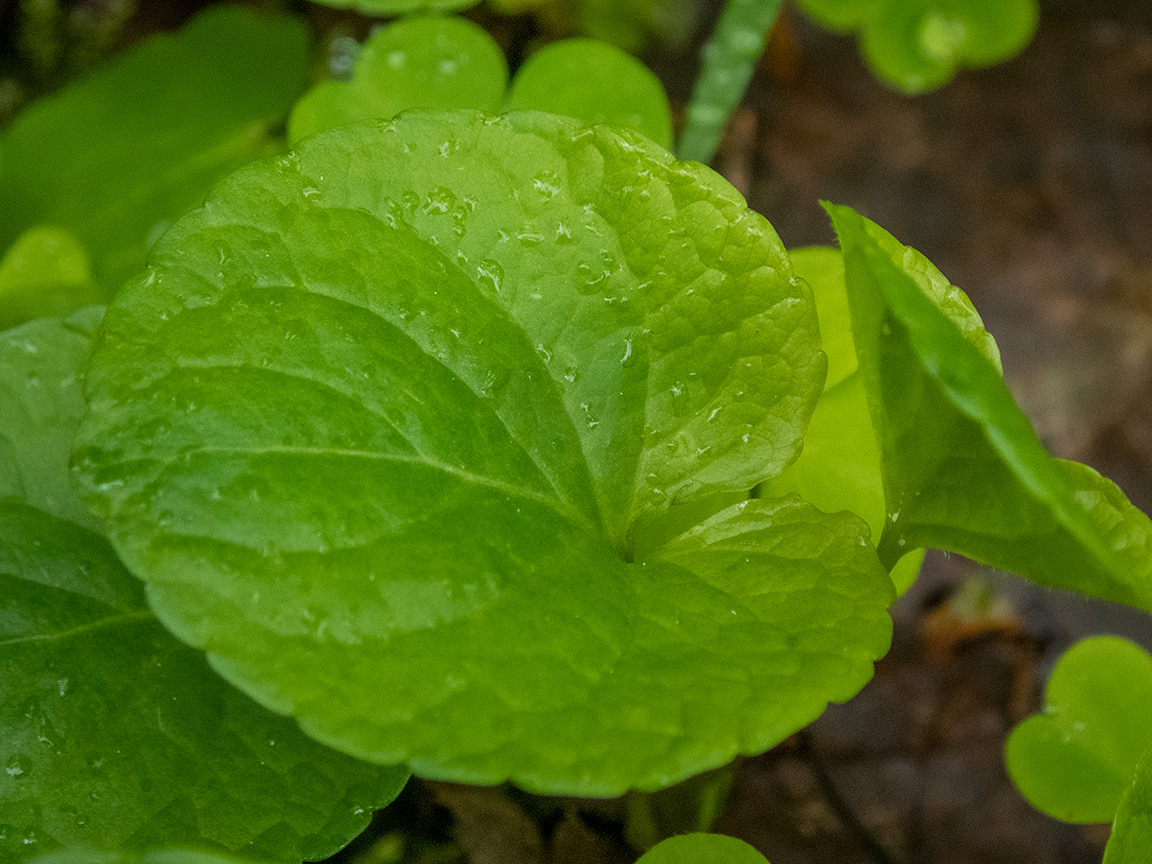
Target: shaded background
1028, 185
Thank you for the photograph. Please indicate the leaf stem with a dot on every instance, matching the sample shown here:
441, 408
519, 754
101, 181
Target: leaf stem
729, 59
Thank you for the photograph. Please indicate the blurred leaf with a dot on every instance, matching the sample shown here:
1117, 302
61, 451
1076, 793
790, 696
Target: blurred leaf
423, 62
1076, 760
45, 273
918, 45
117, 156
594, 82
702, 849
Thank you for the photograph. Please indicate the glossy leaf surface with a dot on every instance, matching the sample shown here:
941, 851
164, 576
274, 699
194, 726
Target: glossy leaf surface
113, 734
702, 849
380, 423
962, 467
1076, 760
1131, 840
430, 62
594, 82
918, 45
159, 126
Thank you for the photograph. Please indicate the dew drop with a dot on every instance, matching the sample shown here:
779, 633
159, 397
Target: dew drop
29, 837
563, 234
311, 191
547, 183
529, 238
18, 766
490, 274
410, 200
440, 200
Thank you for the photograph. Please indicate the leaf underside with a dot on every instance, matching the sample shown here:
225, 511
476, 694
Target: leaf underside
381, 421
962, 467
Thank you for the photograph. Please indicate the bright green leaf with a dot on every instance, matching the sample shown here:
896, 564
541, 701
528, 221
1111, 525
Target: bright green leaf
158, 127
702, 849
45, 272
1131, 840
839, 468
380, 423
918, 45
597, 83
427, 62
962, 467
113, 734
1076, 760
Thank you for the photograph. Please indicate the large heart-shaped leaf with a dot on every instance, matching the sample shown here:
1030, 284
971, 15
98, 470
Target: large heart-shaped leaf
963, 469
113, 734
381, 422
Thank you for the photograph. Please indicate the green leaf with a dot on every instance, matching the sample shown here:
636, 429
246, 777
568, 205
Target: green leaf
159, 127
415, 63
918, 45
113, 734
40, 404
962, 468
839, 468
1076, 760
166, 856
702, 849
730, 58
597, 83
45, 272
381, 422
398, 7
1131, 840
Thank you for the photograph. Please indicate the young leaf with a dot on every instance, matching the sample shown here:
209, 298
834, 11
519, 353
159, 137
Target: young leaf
159, 127
1075, 761
839, 468
113, 734
702, 849
430, 62
45, 272
594, 82
918, 45
730, 58
962, 467
1131, 840
379, 424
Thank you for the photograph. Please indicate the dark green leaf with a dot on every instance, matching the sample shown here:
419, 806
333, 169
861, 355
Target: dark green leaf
379, 426
398, 7
113, 734
962, 467
116, 156
1076, 760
